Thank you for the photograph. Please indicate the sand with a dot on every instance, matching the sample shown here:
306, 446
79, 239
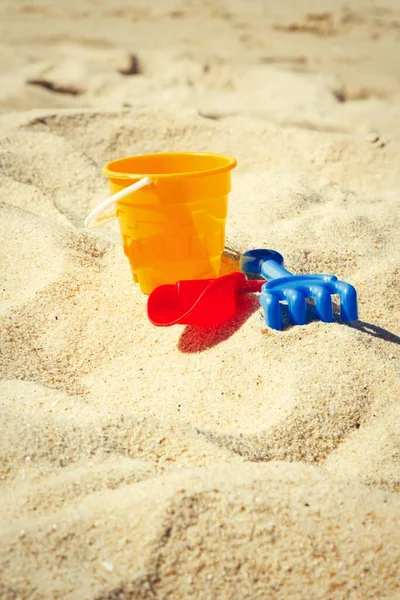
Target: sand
237, 463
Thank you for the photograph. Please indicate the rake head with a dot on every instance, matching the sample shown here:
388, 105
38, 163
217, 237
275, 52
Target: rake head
294, 290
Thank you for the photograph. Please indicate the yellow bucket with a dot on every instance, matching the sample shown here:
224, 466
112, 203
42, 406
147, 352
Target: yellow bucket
172, 220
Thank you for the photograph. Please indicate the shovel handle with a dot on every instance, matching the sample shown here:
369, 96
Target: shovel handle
250, 286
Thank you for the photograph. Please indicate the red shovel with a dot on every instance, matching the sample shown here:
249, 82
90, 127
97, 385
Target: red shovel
205, 302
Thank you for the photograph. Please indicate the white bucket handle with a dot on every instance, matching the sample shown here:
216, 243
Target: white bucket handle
92, 220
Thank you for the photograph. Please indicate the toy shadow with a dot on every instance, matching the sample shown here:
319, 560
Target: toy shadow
197, 339
363, 326
374, 330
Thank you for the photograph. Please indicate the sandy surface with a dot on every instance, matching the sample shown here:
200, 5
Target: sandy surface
239, 463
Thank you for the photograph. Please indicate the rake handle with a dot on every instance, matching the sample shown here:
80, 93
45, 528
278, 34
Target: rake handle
270, 269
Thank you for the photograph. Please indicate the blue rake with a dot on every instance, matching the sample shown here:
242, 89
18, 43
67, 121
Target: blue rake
295, 289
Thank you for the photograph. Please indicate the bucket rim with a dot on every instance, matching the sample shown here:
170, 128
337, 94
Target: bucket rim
108, 171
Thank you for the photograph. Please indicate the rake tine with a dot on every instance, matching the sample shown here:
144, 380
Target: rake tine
323, 302
348, 300
272, 309
297, 306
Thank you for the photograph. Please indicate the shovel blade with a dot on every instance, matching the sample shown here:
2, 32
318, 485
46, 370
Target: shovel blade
206, 302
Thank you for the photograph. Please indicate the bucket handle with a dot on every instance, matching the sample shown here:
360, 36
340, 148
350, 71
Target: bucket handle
92, 220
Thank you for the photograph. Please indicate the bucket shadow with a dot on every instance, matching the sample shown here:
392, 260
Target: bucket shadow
198, 339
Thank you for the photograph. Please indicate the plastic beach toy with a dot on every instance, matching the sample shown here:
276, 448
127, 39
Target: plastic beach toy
206, 303
171, 209
294, 289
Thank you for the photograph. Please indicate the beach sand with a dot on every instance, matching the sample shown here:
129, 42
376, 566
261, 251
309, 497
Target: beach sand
139, 462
